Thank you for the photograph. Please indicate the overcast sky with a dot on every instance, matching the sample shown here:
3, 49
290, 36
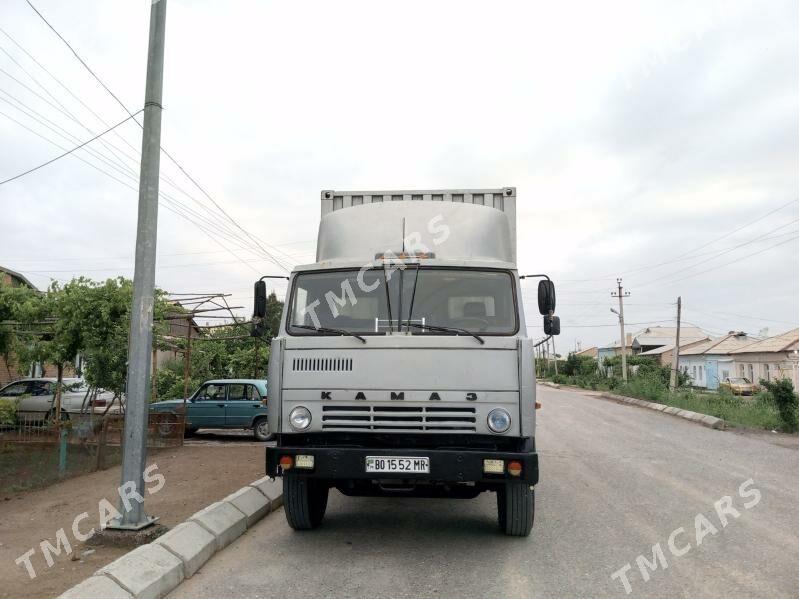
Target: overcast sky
639, 135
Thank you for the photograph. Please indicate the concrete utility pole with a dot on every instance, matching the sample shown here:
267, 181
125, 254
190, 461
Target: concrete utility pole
187, 364
621, 294
554, 355
134, 453
675, 355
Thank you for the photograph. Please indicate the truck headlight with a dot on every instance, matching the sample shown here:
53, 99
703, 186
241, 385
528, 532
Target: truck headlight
498, 420
300, 418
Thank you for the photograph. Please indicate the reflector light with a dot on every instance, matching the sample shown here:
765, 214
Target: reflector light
538, 405
514, 468
493, 466
303, 461
286, 462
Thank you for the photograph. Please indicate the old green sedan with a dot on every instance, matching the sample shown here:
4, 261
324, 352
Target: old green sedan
223, 403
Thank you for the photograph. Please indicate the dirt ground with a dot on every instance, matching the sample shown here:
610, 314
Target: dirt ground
205, 470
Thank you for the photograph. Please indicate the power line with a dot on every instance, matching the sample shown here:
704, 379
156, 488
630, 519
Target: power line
771, 247
41, 16
174, 161
591, 326
726, 251
131, 257
171, 203
68, 152
60, 104
692, 253
717, 313
750, 223
174, 206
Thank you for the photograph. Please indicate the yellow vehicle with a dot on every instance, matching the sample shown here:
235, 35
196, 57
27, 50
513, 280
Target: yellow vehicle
739, 386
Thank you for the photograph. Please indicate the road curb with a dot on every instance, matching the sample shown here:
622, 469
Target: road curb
154, 570
703, 419
549, 384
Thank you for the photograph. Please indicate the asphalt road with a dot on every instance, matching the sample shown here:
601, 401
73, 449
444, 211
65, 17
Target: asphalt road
615, 480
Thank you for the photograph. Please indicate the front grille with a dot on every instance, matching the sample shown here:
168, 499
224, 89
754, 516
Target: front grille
394, 418
321, 364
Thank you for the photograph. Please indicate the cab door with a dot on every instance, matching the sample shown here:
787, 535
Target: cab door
243, 404
207, 409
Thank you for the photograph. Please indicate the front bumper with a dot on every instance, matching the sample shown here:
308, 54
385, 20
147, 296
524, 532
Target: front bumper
446, 465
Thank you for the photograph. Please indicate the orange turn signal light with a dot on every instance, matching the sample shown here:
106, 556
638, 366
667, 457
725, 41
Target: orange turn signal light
286, 462
514, 468
538, 405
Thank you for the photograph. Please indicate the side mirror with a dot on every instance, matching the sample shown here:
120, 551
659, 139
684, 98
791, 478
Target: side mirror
259, 304
552, 325
546, 296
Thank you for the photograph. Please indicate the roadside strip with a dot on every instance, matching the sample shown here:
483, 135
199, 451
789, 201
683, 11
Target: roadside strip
703, 419
154, 570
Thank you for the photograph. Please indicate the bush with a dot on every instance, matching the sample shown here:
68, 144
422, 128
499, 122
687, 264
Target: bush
785, 400
8, 411
648, 385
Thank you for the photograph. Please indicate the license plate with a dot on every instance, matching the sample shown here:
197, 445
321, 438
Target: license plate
398, 464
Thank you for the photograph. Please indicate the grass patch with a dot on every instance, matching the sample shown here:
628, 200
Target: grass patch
760, 411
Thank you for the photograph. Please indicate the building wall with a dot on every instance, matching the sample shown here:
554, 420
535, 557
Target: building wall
607, 352
707, 370
767, 365
694, 367
12, 371
9, 371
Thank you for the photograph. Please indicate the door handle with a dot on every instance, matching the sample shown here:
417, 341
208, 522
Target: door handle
220, 405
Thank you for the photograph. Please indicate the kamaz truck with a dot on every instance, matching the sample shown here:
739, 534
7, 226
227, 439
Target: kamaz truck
403, 365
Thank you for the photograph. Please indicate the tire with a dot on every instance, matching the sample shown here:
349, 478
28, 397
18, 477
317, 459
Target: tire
516, 509
260, 431
49, 418
304, 501
166, 428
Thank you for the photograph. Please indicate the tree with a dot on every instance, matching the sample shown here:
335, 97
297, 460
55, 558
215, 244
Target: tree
224, 352
80, 317
785, 398
14, 303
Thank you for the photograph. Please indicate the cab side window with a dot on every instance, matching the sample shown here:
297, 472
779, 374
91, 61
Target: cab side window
41, 388
16, 389
242, 392
212, 392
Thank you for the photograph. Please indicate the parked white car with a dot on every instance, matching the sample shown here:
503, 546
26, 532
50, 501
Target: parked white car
36, 398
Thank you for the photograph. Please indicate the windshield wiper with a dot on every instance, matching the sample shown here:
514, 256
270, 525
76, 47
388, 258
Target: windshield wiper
455, 330
328, 330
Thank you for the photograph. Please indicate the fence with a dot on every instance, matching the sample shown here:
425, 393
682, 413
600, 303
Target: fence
37, 454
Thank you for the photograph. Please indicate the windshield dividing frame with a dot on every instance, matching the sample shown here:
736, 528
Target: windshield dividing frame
399, 321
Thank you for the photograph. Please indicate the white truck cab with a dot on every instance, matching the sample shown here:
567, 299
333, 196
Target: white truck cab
403, 365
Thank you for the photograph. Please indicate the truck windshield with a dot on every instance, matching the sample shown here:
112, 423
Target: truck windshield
375, 301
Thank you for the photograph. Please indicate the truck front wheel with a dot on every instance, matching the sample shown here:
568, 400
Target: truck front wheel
305, 501
516, 509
